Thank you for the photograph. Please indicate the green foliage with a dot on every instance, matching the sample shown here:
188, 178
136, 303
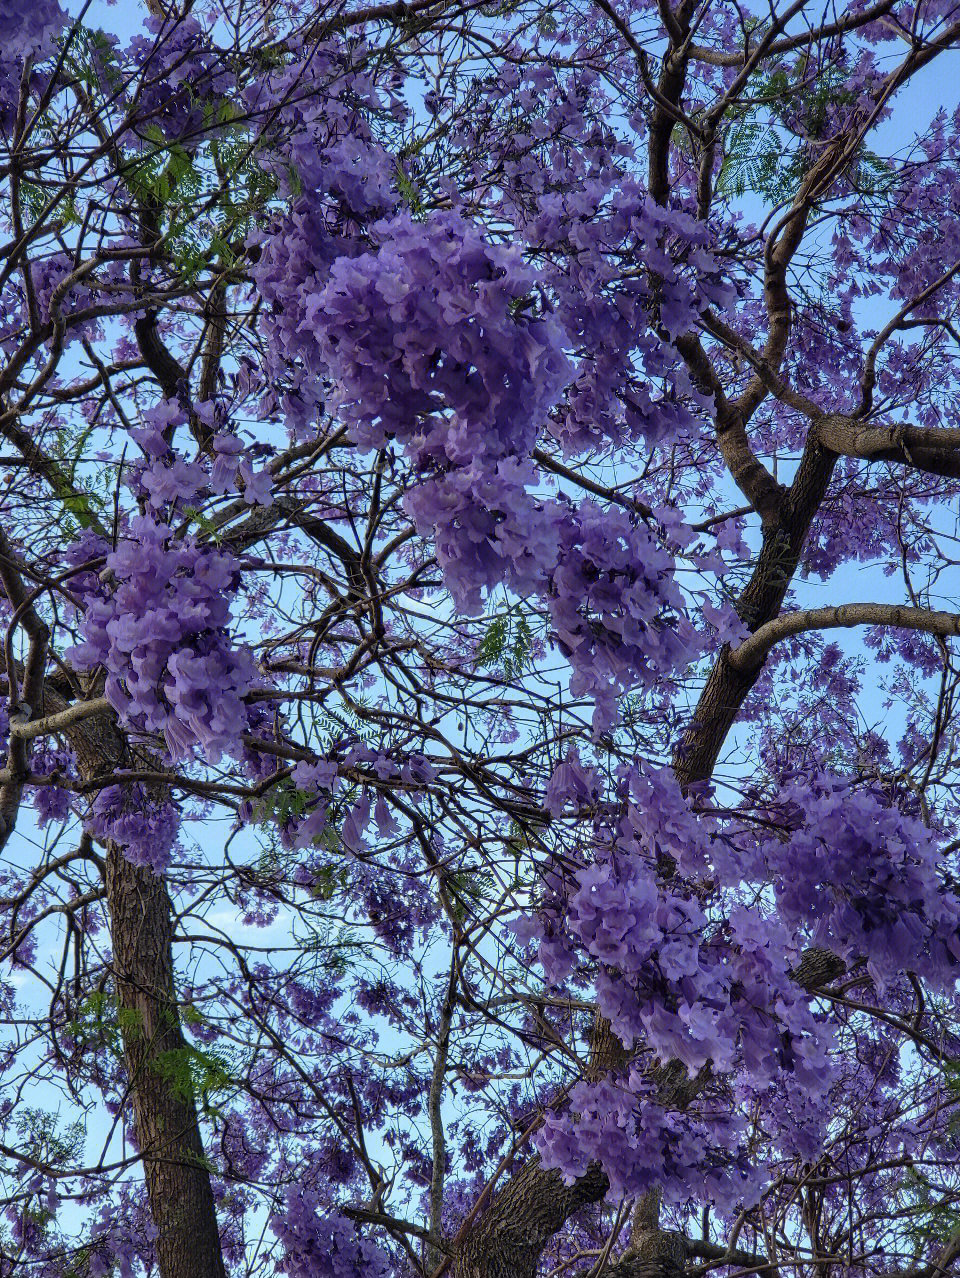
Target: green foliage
928, 1219
339, 950
410, 192
764, 154
197, 1074
327, 882
191, 1015
212, 532
85, 496
93, 61
471, 888
506, 645
34, 200
41, 1137
97, 1024
754, 153
202, 202
164, 171
284, 803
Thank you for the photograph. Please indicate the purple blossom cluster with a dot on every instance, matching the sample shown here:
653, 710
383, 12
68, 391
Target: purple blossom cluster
588, 218
318, 782
326, 154
488, 527
339, 178
427, 341
28, 30
183, 83
616, 606
708, 980
321, 1244
160, 626
66, 293
644, 1146
123, 1232
859, 877
57, 300
27, 34
52, 802
166, 477
143, 827
621, 325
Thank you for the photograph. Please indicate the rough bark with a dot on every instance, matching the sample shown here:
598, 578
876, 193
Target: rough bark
164, 1113
653, 1253
753, 651
507, 1240
817, 969
931, 449
165, 1116
727, 687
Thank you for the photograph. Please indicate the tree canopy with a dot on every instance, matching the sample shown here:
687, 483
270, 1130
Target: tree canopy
478, 571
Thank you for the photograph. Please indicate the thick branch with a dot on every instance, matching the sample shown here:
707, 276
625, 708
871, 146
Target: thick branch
727, 687
935, 450
508, 1239
752, 651
165, 1117
723, 58
29, 729
168, 372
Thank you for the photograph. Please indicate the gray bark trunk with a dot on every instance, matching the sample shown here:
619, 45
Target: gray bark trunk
165, 1117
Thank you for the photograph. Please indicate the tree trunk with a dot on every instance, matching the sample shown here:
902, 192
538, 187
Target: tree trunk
507, 1240
165, 1116
164, 1113
727, 688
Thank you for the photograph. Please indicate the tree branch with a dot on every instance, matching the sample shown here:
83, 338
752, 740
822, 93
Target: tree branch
751, 653
935, 450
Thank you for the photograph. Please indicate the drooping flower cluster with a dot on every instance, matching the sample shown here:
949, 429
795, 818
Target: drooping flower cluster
304, 819
436, 340
616, 606
587, 217
27, 30
167, 477
630, 380
318, 1244
860, 878
448, 363
51, 802
160, 627
143, 827
55, 298
182, 81
710, 980
643, 1145
321, 107
339, 178
488, 527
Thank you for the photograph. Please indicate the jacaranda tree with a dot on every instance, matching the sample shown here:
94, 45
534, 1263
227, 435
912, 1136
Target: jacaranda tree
479, 484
